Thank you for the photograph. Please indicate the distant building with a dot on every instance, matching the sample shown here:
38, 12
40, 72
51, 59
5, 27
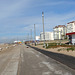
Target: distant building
48, 36
59, 32
37, 38
17, 42
71, 31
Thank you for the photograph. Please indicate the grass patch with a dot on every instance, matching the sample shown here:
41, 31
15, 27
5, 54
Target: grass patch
40, 44
55, 45
52, 45
71, 49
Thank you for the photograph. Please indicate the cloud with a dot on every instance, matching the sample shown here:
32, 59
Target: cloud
18, 17
12, 8
53, 3
20, 25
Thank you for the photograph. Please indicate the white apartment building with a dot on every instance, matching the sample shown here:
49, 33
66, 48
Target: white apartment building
37, 38
71, 31
59, 32
71, 27
48, 36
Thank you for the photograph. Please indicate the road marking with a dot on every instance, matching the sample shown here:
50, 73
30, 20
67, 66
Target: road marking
46, 73
30, 51
22, 57
37, 56
39, 52
41, 65
48, 65
52, 69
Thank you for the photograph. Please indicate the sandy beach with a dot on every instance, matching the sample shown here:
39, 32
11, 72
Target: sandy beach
4, 47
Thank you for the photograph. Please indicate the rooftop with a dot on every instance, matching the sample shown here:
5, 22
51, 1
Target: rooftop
71, 22
59, 26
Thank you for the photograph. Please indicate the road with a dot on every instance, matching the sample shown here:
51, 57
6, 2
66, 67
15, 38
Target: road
27, 61
9, 60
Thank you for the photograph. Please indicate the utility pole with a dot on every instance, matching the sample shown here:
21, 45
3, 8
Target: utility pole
31, 35
60, 36
43, 28
34, 34
28, 38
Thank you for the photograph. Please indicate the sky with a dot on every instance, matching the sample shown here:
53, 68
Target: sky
17, 17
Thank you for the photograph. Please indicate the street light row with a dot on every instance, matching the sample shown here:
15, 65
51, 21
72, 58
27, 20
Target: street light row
35, 31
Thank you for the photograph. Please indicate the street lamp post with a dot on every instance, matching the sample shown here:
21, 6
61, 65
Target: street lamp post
60, 36
31, 35
34, 35
43, 28
28, 38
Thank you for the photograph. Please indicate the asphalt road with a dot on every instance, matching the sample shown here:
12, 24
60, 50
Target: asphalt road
33, 62
65, 59
21, 60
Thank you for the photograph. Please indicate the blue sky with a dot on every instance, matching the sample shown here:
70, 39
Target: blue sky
17, 17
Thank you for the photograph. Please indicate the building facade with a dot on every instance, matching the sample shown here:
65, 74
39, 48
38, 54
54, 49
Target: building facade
48, 36
37, 38
71, 27
71, 32
59, 32
71, 37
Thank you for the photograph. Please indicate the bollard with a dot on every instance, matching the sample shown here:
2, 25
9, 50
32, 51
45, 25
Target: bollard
69, 44
60, 43
57, 43
47, 44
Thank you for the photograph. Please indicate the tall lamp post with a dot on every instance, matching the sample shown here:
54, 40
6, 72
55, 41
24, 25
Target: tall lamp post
31, 34
34, 34
60, 36
28, 38
60, 32
43, 28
